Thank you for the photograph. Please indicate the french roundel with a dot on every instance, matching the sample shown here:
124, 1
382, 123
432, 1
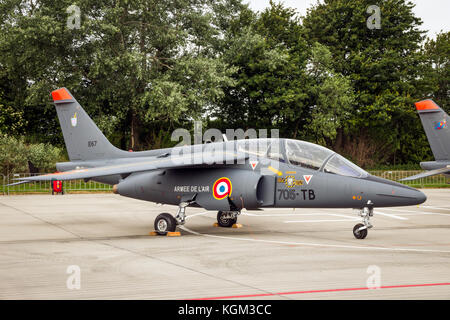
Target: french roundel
222, 188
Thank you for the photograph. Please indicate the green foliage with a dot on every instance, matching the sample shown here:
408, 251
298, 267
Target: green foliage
43, 156
142, 68
270, 91
137, 60
437, 75
11, 121
15, 154
383, 66
333, 94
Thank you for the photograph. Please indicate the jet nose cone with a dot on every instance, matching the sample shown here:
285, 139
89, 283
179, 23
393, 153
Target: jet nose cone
392, 194
421, 197
411, 196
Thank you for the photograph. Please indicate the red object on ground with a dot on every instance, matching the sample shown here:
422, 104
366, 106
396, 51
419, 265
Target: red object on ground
57, 186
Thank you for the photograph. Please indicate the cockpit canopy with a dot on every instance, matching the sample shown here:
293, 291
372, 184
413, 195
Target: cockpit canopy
315, 157
303, 154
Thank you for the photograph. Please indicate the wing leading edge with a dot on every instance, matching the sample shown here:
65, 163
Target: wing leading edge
170, 162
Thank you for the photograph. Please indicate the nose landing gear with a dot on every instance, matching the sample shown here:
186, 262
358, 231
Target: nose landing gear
165, 223
361, 229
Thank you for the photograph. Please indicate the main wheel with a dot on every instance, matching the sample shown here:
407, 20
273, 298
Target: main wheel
164, 223
224, 220
361, 234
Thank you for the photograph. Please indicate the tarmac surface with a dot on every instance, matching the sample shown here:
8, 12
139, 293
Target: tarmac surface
46, 241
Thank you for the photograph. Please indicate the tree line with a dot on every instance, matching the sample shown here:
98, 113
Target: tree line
142, 68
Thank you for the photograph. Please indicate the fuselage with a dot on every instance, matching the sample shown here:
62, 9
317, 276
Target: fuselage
278, 173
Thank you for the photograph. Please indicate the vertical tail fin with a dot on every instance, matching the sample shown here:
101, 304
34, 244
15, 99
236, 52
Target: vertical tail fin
83, 139
435, 123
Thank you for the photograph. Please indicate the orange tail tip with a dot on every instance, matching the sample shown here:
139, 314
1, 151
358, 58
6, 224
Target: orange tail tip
61, 94
426, 105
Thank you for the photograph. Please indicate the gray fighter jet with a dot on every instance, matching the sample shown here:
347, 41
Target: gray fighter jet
435, 123
226, 176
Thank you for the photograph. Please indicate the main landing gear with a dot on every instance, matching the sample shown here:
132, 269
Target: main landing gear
360, 230
165, 222
227, 219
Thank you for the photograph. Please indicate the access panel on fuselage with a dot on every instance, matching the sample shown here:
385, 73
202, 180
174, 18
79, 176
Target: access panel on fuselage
266, 191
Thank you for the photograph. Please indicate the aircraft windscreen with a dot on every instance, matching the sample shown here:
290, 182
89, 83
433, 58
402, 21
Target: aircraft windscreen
339, 165
254, 147
305, 154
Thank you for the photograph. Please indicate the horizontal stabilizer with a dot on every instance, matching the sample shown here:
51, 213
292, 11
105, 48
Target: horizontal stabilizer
16, 183
428, 174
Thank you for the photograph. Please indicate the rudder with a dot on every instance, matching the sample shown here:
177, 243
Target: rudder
83, 139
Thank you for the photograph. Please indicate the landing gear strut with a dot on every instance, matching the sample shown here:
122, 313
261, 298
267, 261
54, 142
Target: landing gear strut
360, 230
227, 219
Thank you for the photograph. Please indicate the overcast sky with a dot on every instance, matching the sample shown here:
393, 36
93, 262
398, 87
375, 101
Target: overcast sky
434, 13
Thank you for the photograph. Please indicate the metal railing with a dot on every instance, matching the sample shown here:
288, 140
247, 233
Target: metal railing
3, 181
437, 181
427, 182
45, 186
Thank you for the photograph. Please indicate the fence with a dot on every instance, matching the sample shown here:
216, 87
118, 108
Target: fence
3, 182
437, 181
44, 186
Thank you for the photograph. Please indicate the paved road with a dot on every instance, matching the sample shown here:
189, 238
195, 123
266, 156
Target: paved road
278, 254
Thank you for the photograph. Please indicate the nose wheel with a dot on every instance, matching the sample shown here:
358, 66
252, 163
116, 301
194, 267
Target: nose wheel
164, 223
361, 229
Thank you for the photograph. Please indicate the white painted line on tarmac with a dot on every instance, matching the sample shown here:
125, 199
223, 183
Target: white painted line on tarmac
347, 218
196, 214
433, 207
417, 212
324, 245
307, 221
285, 214
344, 216
403, 210
393, 216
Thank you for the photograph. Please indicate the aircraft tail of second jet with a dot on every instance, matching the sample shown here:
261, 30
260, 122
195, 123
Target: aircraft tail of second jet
436, 125
84, 140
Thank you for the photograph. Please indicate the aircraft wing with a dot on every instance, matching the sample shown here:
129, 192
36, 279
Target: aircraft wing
168, 162
427, 174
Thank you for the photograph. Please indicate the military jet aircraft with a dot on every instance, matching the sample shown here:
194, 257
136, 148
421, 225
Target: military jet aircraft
435, 123
226, 176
